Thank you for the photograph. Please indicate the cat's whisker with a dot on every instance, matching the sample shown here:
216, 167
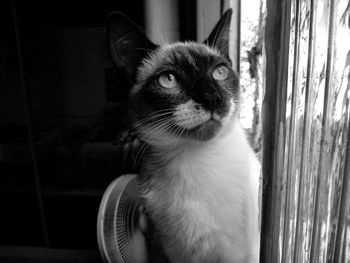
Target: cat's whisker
167, 127
172, 129
179, 135
152, 128
154, 131
149, 117
175, 132
152, 121
153, 116
159, 129
139, 154
153, 125
149, 129
157, 126
156, 114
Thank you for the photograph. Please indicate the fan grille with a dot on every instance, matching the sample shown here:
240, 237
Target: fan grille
125, 219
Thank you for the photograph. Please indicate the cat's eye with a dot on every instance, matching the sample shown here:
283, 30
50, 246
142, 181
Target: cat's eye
220, 72
167, 80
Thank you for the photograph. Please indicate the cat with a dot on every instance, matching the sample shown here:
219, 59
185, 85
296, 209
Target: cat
199, 177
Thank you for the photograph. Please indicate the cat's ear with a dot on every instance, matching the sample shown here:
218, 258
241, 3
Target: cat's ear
128, 45
219, 37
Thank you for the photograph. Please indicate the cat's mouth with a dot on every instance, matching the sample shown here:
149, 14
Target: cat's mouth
196, 121
202, 124
187, 121
205, 131
211, 123
203, 127
191, 115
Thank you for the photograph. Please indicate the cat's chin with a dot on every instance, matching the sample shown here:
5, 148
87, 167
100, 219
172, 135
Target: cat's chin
201, 133
206, 131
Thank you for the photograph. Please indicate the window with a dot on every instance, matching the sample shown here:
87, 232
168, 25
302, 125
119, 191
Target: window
306, 130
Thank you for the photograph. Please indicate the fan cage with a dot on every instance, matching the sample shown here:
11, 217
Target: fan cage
125, 219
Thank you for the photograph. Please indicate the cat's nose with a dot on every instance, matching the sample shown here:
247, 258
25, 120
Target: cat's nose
210, 98
207, 94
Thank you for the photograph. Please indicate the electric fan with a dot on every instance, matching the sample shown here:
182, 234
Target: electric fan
119, 234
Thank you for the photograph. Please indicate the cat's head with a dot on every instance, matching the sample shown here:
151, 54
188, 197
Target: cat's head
181, 91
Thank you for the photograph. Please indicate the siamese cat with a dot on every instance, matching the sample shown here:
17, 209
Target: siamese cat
199, 177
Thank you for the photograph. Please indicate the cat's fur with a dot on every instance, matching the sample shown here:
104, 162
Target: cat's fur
199, 176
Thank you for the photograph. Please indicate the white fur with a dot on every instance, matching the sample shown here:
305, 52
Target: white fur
190, 114
203, 198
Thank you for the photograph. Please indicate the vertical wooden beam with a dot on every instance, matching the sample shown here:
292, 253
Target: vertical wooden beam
29, 111
235, 36
268, 251
162, 21
287, 234
298, 244
209, 13
316, 233
276, 71
344, 211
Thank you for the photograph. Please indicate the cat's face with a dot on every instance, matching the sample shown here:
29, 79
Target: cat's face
188, 90
183, 91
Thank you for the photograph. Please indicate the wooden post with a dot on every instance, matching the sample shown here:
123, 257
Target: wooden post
235, 36
162, 21
276, 53
209, 13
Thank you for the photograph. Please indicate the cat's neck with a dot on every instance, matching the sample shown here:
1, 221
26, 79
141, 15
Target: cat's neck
230, 143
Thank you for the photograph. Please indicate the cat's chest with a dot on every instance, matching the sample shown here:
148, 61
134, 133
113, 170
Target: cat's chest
199, 183
202, 199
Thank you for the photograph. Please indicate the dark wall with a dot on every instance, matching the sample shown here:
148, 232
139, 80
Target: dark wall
71, 80
64, 52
